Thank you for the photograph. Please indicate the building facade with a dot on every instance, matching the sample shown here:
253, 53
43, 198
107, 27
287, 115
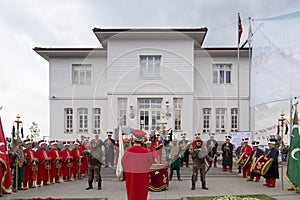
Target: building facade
150, 79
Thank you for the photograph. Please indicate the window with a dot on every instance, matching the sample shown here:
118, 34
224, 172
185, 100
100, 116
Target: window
122, 104
206, 120
150, 66
68, 120
150, 114
177, 113
96, 120
220, 120
222, 73
82, 120
234, 119
81, 74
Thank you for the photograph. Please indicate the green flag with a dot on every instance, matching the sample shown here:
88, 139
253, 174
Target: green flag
292, 173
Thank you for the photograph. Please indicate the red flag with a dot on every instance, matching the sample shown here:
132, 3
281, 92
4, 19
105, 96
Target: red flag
240, 28
5, 177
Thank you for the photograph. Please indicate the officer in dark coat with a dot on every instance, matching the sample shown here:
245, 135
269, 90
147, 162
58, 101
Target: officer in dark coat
95, 158
227, 149
256, 153
273, 172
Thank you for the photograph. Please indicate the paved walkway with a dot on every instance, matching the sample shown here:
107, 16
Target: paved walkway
225, 184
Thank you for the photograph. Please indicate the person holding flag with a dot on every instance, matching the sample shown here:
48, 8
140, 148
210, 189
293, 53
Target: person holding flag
5, 176
293, 166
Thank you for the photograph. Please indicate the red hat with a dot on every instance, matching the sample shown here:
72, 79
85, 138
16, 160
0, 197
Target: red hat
53, 142
157, 134
65, 143
246, 139
27, 141
41, 142
76, 142
138, 135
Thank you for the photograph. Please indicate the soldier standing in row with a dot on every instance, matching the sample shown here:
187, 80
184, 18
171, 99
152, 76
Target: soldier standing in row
77, 160
256, 153
273, 172
56, 162
67, 162
227, 149
199, 154
247, 149
109, 147
95, 157
184, 158
30, 166
44, 165
18, 160
212, 146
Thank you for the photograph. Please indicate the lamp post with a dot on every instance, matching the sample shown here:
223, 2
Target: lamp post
281, 123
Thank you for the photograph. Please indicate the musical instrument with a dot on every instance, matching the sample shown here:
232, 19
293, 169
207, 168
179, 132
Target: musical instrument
243, 160
262, 165
158, 177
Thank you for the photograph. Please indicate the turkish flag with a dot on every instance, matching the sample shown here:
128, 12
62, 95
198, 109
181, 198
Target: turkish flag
240, 27
5, 177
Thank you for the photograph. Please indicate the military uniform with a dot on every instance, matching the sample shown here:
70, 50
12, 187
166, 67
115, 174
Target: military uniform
273, 172
199, 154
30, 166
256, 153
227, 149
95, 157
17, 166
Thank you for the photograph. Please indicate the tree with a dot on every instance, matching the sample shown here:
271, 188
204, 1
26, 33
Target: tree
35, 131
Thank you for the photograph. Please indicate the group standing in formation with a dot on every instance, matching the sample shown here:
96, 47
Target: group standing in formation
48, 164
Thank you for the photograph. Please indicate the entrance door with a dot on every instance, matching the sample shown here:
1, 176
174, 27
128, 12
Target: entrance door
149, 114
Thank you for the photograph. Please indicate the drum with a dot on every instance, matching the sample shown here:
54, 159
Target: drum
158, 177
243, 160
253, 164
262, 165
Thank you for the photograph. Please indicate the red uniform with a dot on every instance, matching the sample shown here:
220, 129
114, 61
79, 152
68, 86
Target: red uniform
44, 166
136, 163
246, 169
67, 164
56, 165
30, 168
157, 145
76, 153
84, 166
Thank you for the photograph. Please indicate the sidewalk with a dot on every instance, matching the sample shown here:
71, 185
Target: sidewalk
112, 189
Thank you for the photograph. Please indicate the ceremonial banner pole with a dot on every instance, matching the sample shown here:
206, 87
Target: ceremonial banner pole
281, 120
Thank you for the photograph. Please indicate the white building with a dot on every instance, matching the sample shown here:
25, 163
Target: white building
145, 77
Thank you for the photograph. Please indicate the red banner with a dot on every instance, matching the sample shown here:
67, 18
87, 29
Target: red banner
5, 177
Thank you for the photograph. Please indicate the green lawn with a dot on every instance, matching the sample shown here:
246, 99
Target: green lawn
239, 197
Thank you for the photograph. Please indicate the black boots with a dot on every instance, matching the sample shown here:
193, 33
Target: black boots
204, 186
99, 185
90, 185
193, 184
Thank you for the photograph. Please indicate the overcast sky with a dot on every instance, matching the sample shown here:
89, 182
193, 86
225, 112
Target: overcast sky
26, 24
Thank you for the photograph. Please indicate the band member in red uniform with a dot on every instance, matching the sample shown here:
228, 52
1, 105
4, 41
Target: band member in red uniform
136, 162
247, 149
44, 165
83, 146
197, 137
77, 160
30, 166
273, 172
256, 153
67, 162
56, 162
158, 145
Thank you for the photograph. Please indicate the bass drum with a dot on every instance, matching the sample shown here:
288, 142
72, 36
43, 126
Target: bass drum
262, 165
243, 160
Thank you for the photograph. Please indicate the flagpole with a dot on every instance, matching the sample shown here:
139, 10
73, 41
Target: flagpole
249, 57
238, 71
282, 120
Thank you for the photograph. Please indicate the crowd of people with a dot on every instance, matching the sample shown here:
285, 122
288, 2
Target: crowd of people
48, 164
